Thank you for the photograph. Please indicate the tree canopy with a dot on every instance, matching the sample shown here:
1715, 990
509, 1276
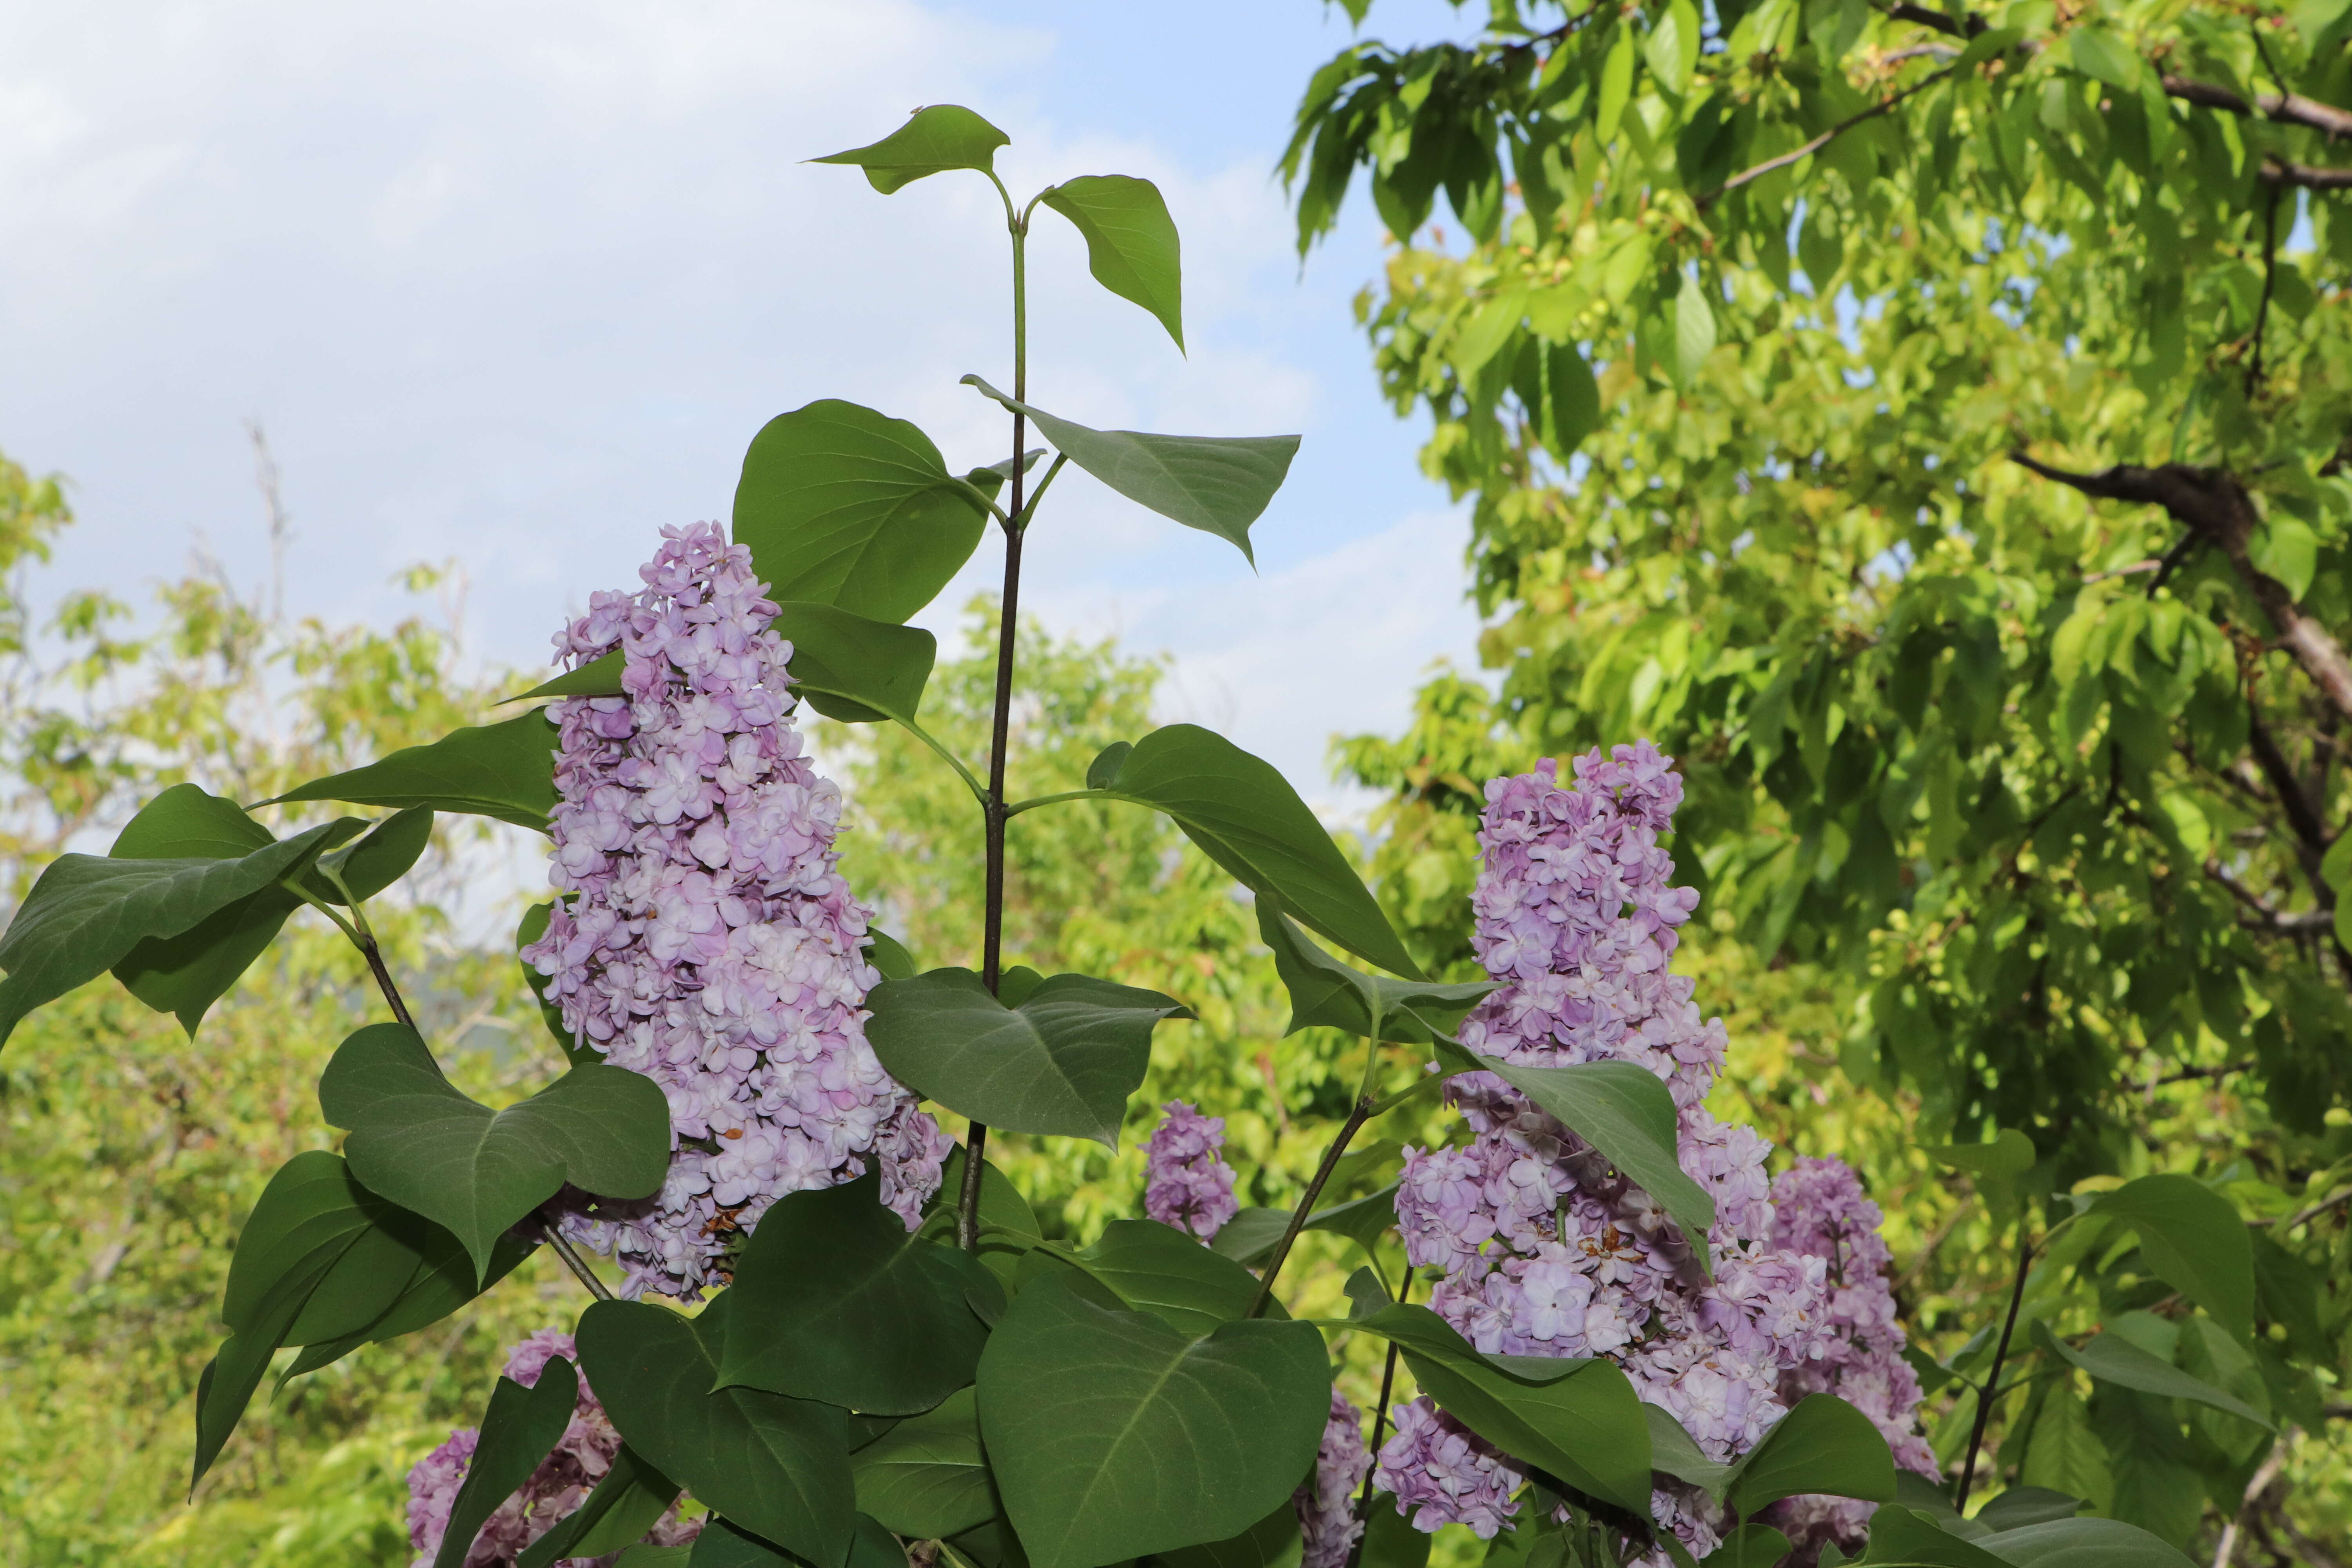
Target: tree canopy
1930, 425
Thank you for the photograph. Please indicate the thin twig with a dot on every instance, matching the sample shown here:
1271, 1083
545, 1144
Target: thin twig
1357, 1114
1992, 1389
575, 1262
2270, 279
2271, 1465
1380, 1422
374, 956
2277, 172
1824, 140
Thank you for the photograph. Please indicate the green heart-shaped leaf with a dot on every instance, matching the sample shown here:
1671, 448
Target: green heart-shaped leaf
1132, 243
1219, 484
775, 1464
504, 771
1157, 1269
1327, 993
834, 1299
1623, 1110
2079, 1543
1245, 817
853, 669
1823, 1445
1062, 1062
519, 1430
927, 1479
1113, 1434
846, 507
88, 913
934, 140
423, 1142
1577, 1418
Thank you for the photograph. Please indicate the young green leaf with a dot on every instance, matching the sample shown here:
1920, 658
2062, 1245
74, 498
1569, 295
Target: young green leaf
1250, 1236
936, 138
626, 1503
853, 669
1577, 1418
443, 1280
527, 930
1063, 1062
1132, 243
1113, 1434
1749, 1546
386, 854
230, 1378
1327, 993
88, 913
1904, 1534
306, 1218
927, 1479
1823, 1445
772, 1464
1219, 484
843, 506
1693, 331
421, 1142
597, 678
1159, 1269
890, 955
2019, 1507
2008, 1156
1245, 817
1623, 1110
519, 1429
834, 1299
2192, 1237
2111, 1358
2075, 1543
1676, 1453
504, 771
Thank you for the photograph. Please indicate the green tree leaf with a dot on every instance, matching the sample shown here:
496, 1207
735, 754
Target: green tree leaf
388, 852
87, 914
1245, 817
1823, 1445
936, 138
927, 1479
624, 1505
2008, 1156
2081, 1543
1132, 243
834, 1299
1272, 1542
1219, 484
421, 1142
1694, 325
1620, 1108
1113, 1434
1063, 1062
2193, 1239
1904, 1535
519, 1429
1676, 1453
2063, 1453
599, 677
2017, 1507
1749, 1546
774, 1464
2111, 1358
1327, 993
1577, 1418
504, 771
843, 506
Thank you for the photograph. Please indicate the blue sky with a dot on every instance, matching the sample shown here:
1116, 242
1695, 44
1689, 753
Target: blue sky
512, 285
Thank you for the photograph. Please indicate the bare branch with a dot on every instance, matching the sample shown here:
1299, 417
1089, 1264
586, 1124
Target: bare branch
1958, 27
2286, 108
2268, 917
2276, 172
2270, 279
2214, 506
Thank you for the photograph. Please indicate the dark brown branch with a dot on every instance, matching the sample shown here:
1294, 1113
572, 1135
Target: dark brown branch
374, 955
2312, 837
1357, 1114
2286, 108
2270, 281
2172, 559
1824, 140
2276, 172
1992, 1390
2213, 505
2267, 917
1958, 27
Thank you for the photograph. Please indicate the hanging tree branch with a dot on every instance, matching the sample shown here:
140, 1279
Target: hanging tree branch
2214, 506
1799, 154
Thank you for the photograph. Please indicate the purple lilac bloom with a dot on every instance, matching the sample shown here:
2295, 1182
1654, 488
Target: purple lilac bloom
703, 936
1328, 1526
1443, 1473
554, 1491
1547, 1250
1186, 1182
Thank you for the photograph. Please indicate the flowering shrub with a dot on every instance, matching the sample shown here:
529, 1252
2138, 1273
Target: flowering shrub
842, 1334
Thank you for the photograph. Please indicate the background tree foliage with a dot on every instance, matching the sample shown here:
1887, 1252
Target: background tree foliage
1930, 425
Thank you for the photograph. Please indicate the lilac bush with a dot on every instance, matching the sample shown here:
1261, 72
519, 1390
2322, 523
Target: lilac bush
704, 937
1548, 1251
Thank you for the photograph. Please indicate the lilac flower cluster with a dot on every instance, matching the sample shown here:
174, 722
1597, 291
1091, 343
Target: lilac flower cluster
555, 1489
706, 940
1548, 1251
1187, 1183
1326, 1501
